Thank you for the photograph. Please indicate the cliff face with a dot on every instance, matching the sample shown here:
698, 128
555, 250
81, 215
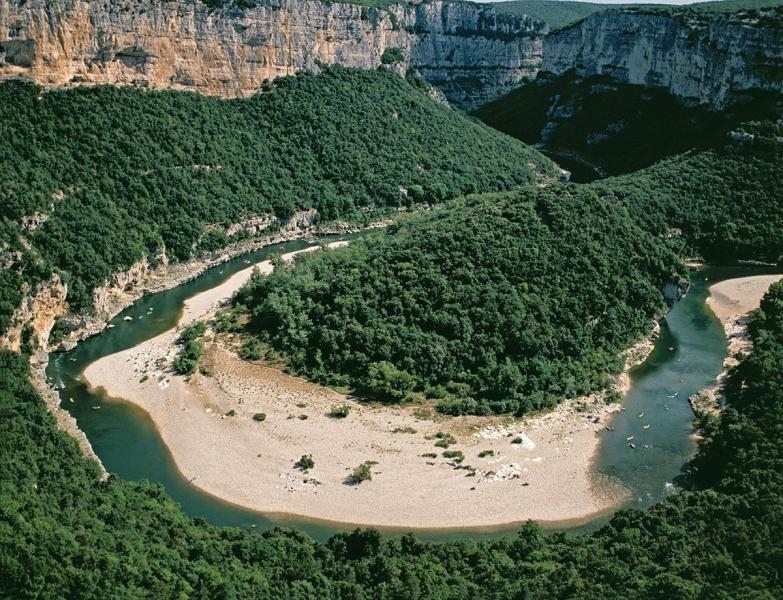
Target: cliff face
182, 44
703, 60
36, 316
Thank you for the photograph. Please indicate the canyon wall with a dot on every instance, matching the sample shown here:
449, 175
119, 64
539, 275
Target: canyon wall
703, 60
182, 44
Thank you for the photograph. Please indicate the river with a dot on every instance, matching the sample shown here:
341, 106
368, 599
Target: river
688, 356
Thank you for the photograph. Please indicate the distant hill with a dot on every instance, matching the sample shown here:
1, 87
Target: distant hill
561, 13
613, 126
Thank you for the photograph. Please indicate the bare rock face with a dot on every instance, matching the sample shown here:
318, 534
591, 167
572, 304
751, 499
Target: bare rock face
36, 315
182, 44
706, 61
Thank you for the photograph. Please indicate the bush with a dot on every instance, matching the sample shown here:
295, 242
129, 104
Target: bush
259, 417
444, 440
305, 463
188, 357
252, 350
457, 455
340, 412
361, 473
403, 430
392, 55
191, 333
387, 382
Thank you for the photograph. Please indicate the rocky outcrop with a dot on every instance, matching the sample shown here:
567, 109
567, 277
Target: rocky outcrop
33, 320
703, 60
182, 44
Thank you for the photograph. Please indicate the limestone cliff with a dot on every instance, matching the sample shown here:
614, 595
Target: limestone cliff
182, 44
706, 60
33, 320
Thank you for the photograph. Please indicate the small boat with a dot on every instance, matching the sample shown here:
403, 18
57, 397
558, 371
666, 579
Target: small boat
646, 426
632, 446
128, 318
671, 348
641, 414
629, 438
110, 326
95, 407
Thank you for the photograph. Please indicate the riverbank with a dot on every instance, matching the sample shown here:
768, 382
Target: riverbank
145, 278
538, 468
732, 301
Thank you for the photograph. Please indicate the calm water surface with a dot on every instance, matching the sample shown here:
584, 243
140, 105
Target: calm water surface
687, 357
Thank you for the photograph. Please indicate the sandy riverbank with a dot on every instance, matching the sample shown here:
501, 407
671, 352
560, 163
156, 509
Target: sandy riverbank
732, 301
546, 477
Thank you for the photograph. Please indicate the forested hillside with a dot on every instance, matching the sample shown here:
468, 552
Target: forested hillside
616, 127
562, 13
724, 202
94, 178
63, 533
504, 303
555, 13
510, 303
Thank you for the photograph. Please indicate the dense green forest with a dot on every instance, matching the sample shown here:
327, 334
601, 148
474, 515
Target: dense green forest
121, 172
616, 127
64, 533
724, 202
555, 13
489, 306
561, 13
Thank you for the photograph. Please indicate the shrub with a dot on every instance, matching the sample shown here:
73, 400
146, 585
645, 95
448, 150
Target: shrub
444, 440
361, 473
252, 350
191, 332
188, 357
259, 417
340, 412
403, 430
388, 382
305, 463
392, 55
484, 453
457, 455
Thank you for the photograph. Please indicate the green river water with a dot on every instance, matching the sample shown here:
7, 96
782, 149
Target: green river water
129, 446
